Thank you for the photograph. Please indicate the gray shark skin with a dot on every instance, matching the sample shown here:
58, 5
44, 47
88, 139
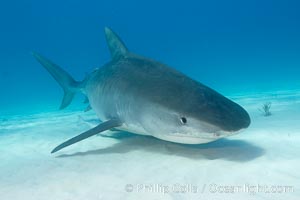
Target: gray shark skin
139, 95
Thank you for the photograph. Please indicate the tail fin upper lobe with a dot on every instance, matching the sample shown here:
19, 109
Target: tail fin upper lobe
69, 85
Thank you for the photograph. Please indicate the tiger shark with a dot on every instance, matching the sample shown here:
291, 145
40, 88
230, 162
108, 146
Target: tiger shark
142, 96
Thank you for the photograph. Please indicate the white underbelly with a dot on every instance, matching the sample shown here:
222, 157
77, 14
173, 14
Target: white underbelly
177, 138
184, 139
133, 128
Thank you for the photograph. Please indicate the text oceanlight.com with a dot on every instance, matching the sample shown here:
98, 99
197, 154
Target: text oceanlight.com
212, 188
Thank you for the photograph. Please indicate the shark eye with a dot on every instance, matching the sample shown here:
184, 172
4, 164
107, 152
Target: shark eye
183, 120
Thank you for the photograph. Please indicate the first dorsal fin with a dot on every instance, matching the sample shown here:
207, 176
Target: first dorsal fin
116, 47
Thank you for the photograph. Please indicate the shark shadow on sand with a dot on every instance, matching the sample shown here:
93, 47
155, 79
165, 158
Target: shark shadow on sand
226, 149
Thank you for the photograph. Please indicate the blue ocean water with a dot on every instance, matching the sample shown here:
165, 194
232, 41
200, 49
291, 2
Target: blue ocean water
249, 51
231, 46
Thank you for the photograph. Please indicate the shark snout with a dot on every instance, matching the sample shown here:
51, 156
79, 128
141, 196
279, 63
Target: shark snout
237, 119
242, 121
227, 115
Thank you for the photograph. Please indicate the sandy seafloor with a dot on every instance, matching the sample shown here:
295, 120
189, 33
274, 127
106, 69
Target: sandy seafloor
262, 162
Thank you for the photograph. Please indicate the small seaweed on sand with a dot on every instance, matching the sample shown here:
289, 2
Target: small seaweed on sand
265, 109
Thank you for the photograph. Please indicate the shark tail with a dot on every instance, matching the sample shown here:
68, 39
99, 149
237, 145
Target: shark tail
69, 85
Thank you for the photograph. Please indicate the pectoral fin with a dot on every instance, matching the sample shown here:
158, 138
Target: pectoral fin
101, 127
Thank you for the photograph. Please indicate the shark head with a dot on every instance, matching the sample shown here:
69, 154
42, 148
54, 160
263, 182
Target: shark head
182, 110
195, 118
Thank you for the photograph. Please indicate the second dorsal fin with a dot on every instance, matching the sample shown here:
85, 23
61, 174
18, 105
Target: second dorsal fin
116, 47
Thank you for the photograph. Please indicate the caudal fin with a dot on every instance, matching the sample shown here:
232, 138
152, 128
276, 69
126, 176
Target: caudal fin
69, 85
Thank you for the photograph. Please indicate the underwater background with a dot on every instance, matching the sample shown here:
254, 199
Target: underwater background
249, 51
231, 46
